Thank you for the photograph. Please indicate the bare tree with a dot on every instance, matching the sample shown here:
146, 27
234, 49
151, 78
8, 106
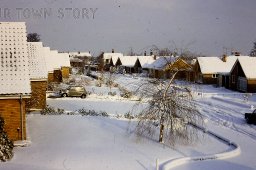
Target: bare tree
110, 78
171, 110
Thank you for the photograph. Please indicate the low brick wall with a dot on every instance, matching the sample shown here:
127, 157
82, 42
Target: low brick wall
10, 111
38, 95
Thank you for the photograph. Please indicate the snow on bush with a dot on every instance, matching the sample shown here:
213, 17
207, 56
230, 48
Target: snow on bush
6, 145
48, 110
84, 112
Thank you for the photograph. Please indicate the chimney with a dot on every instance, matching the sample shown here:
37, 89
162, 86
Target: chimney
224, 58
113, 51
151, 52
145, 53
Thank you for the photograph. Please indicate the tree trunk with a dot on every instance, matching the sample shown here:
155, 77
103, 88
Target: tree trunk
161, 135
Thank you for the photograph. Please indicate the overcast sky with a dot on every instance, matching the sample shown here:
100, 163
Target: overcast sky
202, 26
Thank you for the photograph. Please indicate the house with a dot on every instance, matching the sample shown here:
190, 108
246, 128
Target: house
145, 61
64, 63
111, 59
57, 64
224, 73
157, 69
243, 75
185, 70
131, 64
79, 60
207, 69
14, 78
38, 76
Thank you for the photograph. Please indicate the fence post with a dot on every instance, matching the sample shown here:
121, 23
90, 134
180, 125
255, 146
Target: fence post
157, 162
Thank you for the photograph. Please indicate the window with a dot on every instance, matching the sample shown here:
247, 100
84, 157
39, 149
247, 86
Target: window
214, 75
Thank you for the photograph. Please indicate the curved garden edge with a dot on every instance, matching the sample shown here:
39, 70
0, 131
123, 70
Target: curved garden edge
223, 155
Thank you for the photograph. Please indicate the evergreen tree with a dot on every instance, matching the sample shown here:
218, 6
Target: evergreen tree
6, 145
253, 50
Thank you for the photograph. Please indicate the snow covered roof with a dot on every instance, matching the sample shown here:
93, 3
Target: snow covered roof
55, 60
110, 55
14, 69
229, 63
37, 64
64, 60
248, 65
72, 59
79, 54
128, 61
161, 62
211, 65
115, 59
145, 61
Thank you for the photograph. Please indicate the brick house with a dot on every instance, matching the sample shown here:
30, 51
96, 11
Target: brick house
14, 78
38, 76
57, 65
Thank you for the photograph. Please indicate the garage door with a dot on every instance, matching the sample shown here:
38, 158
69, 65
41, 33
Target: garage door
242, 84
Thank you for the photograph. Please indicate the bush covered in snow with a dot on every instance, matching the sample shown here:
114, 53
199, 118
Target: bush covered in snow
48, 110
85, 112
6, 145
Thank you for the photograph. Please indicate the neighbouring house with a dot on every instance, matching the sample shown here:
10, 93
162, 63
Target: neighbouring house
185, 70
243, 75
130, 64
111, 59
224, 74
207, 69
79, 60
57, 64
157, 69
145, 61
38, 76
14, 78
64, 62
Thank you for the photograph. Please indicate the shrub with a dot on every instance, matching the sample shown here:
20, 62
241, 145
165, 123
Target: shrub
48, 110
85, 112
128, 115
6, 145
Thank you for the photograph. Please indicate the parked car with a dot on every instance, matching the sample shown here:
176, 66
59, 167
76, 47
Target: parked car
250, 117
74, 91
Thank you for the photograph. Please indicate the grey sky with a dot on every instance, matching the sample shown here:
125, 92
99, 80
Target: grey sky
203, 26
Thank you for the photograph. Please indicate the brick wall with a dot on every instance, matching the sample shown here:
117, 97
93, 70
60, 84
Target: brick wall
57, 76
38, 95
10, 111
50, 77
65, 72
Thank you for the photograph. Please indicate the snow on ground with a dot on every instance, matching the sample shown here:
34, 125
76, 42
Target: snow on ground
79, 142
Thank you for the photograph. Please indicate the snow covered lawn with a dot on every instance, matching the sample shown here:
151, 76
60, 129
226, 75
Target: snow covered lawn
67, 142
79, 142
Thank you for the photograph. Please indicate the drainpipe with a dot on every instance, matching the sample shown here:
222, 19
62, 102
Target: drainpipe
21, 118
